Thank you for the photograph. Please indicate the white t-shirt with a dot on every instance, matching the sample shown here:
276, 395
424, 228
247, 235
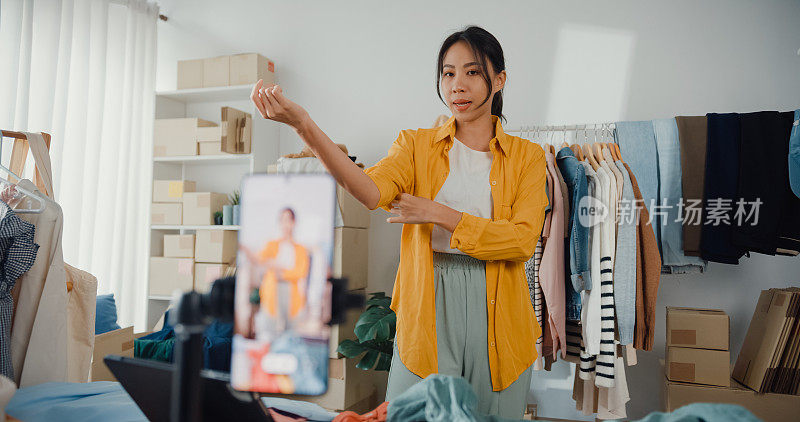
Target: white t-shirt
466, 189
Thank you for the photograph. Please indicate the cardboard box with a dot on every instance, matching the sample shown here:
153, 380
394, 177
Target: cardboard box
215, 246
237, 129
171, 190
345, 330
698, 328
354, 213
766, 338
248, 68
347, 386
209, 134
177, 137
350, 256
210, 148
699, 366
205, 274
171, 214
179, 246
199, 207
216, 71
190, 74
168, 274
768, 407
117, 342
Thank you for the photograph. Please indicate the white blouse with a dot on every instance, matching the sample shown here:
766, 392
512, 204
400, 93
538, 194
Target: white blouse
466, 189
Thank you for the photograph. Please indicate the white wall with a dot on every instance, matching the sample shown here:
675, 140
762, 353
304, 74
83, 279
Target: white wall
365, 70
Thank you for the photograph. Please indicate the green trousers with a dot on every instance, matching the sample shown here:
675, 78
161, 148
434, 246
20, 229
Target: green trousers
461, 329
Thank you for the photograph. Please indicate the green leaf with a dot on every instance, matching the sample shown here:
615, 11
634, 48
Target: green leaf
368, 361
366, 326
350, 348
384, 362
379, 301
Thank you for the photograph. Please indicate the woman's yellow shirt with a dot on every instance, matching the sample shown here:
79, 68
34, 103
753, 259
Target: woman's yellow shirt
418, 164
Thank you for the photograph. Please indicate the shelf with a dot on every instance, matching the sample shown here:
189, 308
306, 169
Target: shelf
182, 227
201, 95
156, 297
204, 159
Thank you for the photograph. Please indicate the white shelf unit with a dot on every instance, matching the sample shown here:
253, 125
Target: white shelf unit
213, 173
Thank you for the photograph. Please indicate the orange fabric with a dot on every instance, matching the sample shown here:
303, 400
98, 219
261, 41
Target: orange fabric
418, 164
269, 284
378, 415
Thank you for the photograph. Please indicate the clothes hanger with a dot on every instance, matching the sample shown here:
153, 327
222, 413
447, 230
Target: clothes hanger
576, 149
10, 188
587, 149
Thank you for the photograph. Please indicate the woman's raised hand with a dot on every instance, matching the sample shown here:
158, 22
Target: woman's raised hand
273, 105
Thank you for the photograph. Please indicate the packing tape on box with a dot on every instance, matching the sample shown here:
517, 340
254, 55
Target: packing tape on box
203, 200
216, 236
127, 345
158, 218
175, 189
185, 267
688, 337
185, 242
681, 371
159, 151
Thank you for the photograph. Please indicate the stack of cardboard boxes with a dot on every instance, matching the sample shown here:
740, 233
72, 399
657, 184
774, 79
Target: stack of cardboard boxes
189, 261
698, 346
757, 367
239, 69
189, 136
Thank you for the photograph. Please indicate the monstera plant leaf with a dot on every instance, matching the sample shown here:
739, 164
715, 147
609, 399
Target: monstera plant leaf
375, 331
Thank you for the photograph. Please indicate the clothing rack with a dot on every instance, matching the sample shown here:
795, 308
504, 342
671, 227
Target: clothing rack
565, 128
19, 154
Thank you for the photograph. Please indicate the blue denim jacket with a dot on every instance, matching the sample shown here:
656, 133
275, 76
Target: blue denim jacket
578, 247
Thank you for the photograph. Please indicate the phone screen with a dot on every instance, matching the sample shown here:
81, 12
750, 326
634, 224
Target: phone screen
283, 297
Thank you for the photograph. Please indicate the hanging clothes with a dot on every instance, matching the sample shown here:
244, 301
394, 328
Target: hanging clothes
537, 297
17, 254
648, 274
692, 134
670, 187
794, 155
578, 244
551, 272
625, 264
52, 334
637, 140
764, 139
721, 184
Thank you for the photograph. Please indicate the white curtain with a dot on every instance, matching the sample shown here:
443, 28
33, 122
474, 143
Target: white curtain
84, 71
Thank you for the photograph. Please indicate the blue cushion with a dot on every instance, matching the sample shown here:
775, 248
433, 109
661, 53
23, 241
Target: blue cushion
105, 319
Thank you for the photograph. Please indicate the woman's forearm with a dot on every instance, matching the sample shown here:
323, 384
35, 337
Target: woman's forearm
343, 169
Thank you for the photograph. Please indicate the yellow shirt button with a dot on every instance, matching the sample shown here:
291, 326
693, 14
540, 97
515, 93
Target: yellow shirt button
491, 344
494, 182
492, 302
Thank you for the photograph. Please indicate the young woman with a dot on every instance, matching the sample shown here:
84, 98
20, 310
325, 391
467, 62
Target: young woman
472, 201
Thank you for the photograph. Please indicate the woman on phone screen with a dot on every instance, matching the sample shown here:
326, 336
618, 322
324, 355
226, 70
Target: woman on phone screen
472, 202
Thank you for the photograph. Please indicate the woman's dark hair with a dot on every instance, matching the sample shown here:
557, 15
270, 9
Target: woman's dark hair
485, 46
289, 210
